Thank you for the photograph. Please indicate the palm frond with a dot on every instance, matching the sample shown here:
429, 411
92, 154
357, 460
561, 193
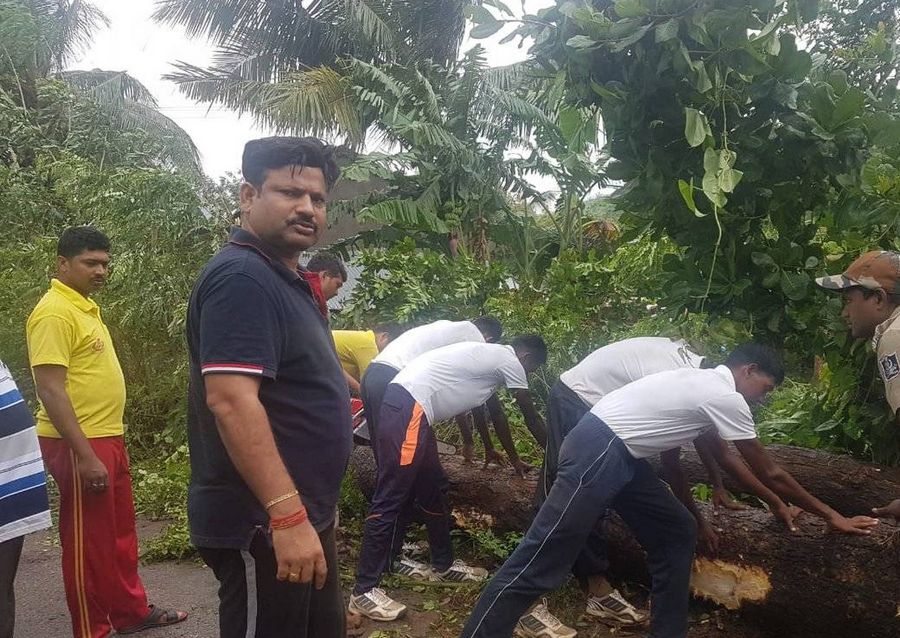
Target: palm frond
316, 101
367, 19
109, 88
178, 148
73, 24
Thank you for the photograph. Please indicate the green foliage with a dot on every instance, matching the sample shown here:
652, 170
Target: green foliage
40, 38
485, 542
353, 506
734, 143
843, 408
581, 300
173, 544
160, 493
417, 286
69, 164
160, 485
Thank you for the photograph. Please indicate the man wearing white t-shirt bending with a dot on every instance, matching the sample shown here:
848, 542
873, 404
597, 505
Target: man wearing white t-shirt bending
602, 464
577, 391
435, 386
412, 343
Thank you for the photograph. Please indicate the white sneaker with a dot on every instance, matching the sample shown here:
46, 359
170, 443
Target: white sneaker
460, 572
615, 608
540, 623
413, 569
377, 605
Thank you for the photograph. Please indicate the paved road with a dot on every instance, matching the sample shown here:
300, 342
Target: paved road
41, 606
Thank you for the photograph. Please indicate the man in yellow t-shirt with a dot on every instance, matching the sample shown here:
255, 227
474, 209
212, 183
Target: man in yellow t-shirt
80, 427
357, 348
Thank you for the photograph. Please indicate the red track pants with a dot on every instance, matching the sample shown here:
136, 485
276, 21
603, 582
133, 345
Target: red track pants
99, 543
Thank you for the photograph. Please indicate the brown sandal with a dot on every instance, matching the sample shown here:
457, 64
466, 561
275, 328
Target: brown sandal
157, 617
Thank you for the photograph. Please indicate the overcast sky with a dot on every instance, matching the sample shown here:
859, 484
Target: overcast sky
136, 44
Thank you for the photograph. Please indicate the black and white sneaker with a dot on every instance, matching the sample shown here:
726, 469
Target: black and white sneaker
540, 623
613, 607
413, 569
377, 605
460, 572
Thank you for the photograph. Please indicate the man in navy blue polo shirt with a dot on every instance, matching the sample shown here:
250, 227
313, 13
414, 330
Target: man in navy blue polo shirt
269, 410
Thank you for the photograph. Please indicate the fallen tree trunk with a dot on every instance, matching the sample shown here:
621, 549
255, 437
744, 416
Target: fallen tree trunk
492, 498
804, 584
844, 483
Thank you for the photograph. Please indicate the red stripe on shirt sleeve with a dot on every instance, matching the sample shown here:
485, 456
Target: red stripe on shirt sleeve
227, 366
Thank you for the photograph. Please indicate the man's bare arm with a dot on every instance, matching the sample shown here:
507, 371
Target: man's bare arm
720, 496
712, 446
247, 436
501, 427
783, 484
352, 383
50, 383
465, 431
670, 462
892, 508
533, 420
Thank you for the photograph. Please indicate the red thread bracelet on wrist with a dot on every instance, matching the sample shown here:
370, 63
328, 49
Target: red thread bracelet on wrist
291, 520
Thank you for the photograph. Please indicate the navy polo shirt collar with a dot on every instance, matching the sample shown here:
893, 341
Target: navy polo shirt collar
237, 236
240, 237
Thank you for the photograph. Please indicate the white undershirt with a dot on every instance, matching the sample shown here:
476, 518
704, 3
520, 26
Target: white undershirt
618, 364
669, 409
456, 378
416, 341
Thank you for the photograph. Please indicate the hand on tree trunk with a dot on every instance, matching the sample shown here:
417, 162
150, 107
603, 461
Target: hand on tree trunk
721, 498
891, 509
786, 514
707, 538
855, 525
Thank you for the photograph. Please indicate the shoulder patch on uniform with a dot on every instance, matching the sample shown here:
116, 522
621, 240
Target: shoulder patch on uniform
890, 366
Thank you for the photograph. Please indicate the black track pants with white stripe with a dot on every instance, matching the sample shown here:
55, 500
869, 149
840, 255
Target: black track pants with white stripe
254, 604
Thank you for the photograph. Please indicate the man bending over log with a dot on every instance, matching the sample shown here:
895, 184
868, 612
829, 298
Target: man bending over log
580, 388
603, 464
435, 386
410, 345
872, 309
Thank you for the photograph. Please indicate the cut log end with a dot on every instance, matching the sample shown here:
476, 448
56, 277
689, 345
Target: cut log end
729, 584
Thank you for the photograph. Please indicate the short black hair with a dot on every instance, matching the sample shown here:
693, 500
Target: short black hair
867, 293
534, 344
326, 262
491, 328
766, 358
77, 239
272, 153
391, 328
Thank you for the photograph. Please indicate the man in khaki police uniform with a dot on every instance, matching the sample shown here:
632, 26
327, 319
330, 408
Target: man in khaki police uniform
871, 290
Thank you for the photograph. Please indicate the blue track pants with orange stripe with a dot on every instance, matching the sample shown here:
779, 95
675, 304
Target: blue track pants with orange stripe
410, 481
99, 543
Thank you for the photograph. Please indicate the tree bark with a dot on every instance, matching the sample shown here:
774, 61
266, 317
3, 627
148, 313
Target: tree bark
841, 481
806, 584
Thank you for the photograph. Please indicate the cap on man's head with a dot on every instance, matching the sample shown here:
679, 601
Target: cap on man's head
873, 270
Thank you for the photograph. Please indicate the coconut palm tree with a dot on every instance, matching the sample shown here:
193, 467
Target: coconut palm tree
287, 62
39, 39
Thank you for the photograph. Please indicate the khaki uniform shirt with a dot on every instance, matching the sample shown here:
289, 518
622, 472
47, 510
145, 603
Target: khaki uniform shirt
887, 348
